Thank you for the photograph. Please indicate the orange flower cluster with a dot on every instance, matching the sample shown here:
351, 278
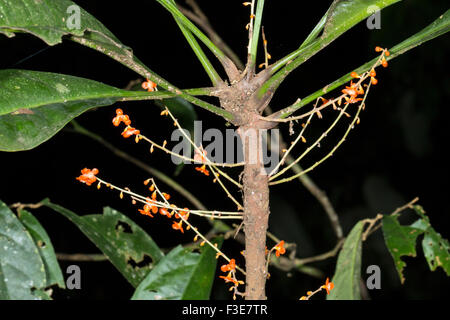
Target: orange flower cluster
149, 85
356, 89
88, 176
129, 131
228, 267
120, 117
231, 276
151, 208
279, 248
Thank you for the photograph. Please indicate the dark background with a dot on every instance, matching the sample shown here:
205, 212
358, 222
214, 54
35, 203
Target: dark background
398, 151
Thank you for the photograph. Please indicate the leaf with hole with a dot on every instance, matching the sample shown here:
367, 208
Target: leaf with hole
129, 248
400, 241
435, 247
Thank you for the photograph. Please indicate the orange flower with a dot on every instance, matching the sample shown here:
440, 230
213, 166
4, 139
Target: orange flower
203, 170
378, 49
328, 286
279, 248
200, 156
354, 75
120, 117
146, 210
353, 91
228, 267
166, 196
164, 212
88, 176
149, 207
182, 214
149, 85
178, 226
129, 131
230, 279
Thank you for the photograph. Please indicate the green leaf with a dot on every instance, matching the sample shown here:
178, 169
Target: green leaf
47, 19
122, 241
346, 14
341, 16
181, 274
21, 268
435, 248
200, 285
45, 247
400, 241
50, 20
348, 269
34, 106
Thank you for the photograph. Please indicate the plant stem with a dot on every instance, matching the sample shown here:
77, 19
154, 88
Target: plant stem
256, 218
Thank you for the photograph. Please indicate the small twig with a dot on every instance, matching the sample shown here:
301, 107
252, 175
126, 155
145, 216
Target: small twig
371, 223
351, 126
312, 187
93, 257
266, 53
20, 206
409, 205
320, 257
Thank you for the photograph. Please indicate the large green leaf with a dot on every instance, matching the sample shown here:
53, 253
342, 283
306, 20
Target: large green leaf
47, 19
51, 20
45, 247
348, 269
123, 242
400, 240
22, 272
435, 248
181, 274
34, 106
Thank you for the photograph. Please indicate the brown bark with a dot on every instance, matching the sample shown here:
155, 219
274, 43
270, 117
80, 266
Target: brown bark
256, 217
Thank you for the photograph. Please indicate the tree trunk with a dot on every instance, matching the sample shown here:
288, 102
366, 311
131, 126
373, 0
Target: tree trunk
256, 216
